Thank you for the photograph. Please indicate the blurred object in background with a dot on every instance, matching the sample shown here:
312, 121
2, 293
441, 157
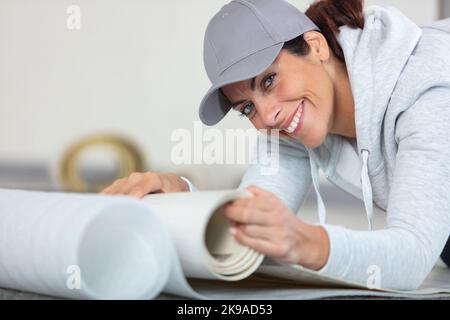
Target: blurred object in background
93, 163
26, 174
445, 9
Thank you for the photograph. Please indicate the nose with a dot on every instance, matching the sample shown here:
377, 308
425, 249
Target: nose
270, 114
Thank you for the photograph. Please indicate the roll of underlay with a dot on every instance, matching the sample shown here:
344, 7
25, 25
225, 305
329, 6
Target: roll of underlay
201, 234
81, 246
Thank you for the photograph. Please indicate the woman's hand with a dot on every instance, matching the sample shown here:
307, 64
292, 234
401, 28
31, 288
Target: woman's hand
266, 225
140, 184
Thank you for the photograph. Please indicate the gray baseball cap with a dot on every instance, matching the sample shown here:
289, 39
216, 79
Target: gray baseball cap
241, 41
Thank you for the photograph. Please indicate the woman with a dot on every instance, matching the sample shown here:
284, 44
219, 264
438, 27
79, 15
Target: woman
364, 96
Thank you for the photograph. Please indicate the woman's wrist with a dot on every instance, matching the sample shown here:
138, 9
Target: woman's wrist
173, 183
314, 247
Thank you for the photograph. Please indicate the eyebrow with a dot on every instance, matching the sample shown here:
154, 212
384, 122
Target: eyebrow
252, 86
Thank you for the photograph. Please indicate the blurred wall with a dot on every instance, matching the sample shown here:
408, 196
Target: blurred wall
134, 68
445, 9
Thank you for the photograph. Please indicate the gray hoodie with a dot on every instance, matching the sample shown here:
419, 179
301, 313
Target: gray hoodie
400, 161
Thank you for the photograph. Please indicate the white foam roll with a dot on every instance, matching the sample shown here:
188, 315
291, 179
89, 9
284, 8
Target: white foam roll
81, 246
201, 235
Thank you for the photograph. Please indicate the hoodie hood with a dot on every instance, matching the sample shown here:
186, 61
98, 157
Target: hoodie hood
375, 58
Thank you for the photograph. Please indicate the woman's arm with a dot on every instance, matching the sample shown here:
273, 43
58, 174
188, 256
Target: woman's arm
291, 182
418, 213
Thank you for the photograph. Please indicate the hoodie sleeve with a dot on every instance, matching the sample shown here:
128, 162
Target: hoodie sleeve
290, 182
191, 186
418, 213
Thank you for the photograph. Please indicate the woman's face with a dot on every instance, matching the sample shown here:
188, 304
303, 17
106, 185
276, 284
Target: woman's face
295, 95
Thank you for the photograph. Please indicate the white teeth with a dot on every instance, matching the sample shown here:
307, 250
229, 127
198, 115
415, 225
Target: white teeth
294, 124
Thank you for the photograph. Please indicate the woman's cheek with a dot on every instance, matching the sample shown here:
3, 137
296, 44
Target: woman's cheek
314, 130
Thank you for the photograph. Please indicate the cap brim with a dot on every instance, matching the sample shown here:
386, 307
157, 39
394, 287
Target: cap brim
215, 106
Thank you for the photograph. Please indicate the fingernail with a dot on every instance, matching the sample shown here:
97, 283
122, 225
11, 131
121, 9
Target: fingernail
233, 231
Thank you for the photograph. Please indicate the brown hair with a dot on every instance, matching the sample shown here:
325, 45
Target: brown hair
329, 15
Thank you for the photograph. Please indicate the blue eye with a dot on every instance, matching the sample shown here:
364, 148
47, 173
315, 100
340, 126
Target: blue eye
247, 109
269, 81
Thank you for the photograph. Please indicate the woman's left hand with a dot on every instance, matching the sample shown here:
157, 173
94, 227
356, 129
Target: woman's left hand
264, 224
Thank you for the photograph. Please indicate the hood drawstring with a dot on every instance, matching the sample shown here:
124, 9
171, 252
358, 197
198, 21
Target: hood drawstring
367, 188
315, 179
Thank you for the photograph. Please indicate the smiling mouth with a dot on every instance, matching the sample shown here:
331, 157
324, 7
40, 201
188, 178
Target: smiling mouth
294, 121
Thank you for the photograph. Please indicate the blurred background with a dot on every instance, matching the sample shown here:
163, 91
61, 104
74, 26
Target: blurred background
81, 105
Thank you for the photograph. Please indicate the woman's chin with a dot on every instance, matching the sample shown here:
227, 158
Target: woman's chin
312, 143
309, 142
